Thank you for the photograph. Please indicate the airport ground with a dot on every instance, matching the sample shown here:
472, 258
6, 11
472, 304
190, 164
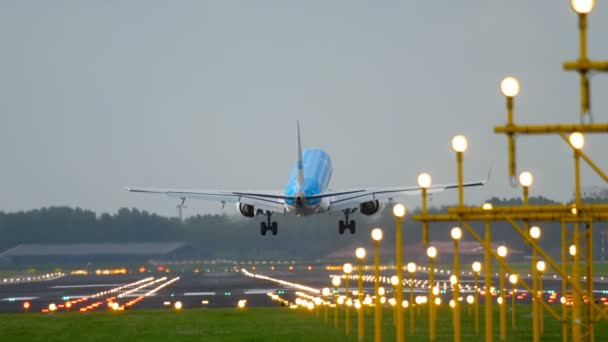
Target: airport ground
209, 296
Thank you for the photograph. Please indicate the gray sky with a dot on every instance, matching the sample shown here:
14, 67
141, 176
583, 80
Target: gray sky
97, 95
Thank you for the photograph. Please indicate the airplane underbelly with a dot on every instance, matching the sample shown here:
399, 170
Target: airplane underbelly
307, 210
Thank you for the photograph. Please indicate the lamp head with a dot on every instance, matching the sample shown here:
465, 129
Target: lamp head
582, 6
509, 86
541, 266
513, 279
377, 234
394, 280
526, 179
577, 140
347, 268
411, 267
424, 180
535, 232
456, 233
325, 291
335, 281
431, 252
477, 266
502, 251
360, 253
459, 143
399, 210
487, 206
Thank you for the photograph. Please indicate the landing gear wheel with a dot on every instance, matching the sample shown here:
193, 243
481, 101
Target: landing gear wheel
341, 227
352, 227
274, 228
263, 228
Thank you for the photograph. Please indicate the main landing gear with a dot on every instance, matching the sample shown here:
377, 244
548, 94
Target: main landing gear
346, 224
268, 225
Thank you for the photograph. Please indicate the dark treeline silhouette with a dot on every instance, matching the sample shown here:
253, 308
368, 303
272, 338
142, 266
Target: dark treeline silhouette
234, 236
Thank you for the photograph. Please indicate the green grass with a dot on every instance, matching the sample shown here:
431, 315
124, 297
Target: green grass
255, 324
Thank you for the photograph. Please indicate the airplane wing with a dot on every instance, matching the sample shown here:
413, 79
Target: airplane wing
274, 202
354, 198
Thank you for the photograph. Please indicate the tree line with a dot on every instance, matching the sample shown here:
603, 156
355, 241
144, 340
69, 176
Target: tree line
234, 236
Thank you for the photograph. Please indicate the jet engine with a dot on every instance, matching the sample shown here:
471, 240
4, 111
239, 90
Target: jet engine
369, 208
246, 209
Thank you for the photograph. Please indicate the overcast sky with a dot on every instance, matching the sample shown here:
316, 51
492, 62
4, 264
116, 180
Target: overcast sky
98, 95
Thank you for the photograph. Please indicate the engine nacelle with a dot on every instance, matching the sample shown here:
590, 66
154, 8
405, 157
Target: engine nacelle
369, 208
246, 209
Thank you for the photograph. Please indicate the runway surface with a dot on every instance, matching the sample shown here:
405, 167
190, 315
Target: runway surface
221, 286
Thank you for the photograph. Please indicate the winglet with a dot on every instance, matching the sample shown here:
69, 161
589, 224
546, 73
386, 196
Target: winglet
489, 174
300, 165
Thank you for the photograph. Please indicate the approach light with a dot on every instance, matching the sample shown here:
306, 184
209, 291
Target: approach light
541, 266
335, 281
477, 267
535, 232
502, 251
572, 250
470, 299
377, 234
399, 210
456, 233
424, 180
526, 179
177, 305
394, 280
487, 206
577, 140
509, 86
347, 268
513, 279
582, 6
411, 267
431, 252
326, 291
360, 253
459, 143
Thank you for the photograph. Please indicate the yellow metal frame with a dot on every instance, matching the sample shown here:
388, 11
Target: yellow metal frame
576, 214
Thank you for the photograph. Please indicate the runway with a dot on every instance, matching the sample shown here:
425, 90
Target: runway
220, 286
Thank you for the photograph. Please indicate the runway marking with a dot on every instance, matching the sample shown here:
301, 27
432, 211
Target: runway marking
282, 282
12, 299
78, 296
199, 294
85, 285
259, 291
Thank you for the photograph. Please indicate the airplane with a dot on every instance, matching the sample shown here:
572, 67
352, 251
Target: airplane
306, 193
